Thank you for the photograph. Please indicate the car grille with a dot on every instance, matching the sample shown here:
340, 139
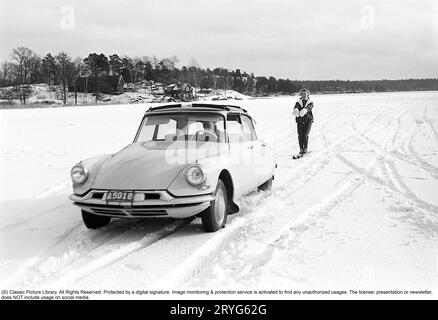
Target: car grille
131, 211
126, 211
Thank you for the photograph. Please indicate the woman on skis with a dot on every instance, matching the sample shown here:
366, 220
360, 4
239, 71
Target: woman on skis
304, 119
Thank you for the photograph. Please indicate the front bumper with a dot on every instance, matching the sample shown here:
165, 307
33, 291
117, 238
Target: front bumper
156, 204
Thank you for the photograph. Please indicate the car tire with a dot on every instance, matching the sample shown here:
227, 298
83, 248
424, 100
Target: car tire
267, 186
93, 221
214, 217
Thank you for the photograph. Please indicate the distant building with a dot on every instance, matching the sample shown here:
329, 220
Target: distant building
157, 88
129, 87
183, 92
105, 84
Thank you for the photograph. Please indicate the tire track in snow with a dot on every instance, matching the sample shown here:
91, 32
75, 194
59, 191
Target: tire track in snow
35, 270
386, 148
398, 182
323, 207
396, 186
408, 145
393, 153
327, 150
123, 252
395, 177
430, 129
426, 214
116, 255
53, 190
194, 263
38, 215
412, 199
381, 152
96, 244
389, 144
420, 162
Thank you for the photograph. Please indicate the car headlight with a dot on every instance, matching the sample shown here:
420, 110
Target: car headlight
195, 175
79, 174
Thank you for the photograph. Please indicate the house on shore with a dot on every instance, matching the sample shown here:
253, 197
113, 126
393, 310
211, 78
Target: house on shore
183, 92
105, 84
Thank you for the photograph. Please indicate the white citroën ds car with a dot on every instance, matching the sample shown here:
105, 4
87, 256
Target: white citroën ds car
186, 160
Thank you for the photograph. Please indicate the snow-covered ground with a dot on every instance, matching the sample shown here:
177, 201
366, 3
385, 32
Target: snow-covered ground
360, 212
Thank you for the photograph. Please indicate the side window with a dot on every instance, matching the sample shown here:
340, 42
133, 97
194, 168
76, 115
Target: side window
248, 128
165, 130
234, 129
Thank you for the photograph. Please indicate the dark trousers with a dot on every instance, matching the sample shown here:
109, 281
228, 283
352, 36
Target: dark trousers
303, 134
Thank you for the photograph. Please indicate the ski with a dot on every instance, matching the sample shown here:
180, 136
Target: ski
299, 156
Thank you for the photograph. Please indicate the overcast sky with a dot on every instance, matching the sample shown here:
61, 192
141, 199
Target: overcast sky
301, 39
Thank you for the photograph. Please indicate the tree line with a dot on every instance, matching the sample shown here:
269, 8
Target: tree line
27, 67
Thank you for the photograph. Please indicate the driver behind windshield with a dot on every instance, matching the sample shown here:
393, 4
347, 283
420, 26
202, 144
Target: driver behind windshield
211, 132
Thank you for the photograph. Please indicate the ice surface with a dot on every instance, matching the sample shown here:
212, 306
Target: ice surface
360, 212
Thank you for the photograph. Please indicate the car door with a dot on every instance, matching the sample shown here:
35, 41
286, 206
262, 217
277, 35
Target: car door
241, 155
261, 163
253, 146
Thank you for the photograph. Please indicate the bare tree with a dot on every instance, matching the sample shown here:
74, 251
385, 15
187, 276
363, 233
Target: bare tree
137, 66
170, 63
22, 56
6, 69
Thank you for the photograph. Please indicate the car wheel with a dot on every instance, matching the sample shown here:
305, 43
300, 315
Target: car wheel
93, 221
215, 217
267, 185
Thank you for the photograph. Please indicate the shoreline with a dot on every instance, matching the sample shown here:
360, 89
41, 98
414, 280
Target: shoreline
46, 106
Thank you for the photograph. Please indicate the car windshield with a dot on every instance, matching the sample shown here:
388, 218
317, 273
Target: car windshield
203, 127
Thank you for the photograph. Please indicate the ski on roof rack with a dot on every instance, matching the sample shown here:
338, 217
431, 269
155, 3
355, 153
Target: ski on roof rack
217, 106
197, 105
170, 106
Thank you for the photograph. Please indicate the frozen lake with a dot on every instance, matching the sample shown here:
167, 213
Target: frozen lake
361, 211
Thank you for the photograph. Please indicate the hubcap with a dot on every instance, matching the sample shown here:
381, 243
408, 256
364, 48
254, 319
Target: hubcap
219, 207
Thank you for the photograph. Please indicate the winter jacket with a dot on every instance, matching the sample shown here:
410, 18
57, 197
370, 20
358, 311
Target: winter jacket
300, 105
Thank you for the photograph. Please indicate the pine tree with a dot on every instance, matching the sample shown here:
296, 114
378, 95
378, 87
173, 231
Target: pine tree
97, 64
115, 64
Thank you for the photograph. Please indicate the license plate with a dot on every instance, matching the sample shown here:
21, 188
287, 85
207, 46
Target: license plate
120, 196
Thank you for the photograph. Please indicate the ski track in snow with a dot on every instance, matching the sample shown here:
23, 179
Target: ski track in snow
360, 175
207, 251
321, 208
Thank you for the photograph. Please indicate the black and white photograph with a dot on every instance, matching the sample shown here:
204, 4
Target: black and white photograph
218, 150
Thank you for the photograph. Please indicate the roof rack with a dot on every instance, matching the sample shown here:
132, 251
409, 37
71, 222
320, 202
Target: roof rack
198, 105
169, 106
217, 106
